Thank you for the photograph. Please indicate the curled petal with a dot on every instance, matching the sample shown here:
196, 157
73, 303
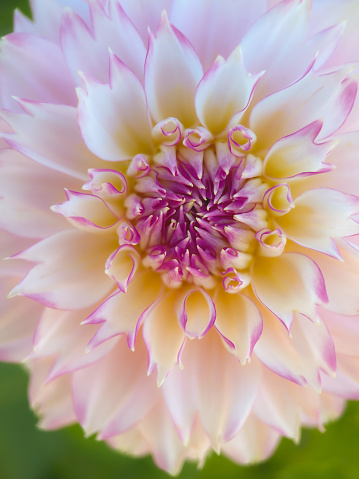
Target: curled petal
233, 281
278, 200
122, 265
198, 139
271, 243
196, 313
240, 140
106, 183
168, 132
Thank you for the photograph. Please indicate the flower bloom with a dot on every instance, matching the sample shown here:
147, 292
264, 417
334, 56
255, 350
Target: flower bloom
195, 287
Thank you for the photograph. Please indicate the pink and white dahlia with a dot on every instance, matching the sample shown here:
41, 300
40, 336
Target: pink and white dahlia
179, 186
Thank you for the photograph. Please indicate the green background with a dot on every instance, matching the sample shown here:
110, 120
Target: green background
29, 453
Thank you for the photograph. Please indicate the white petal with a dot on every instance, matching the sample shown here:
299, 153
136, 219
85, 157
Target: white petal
239, 322
224, 90
290, 282
113, 118
319, 216
314, 97
49, 134
70, 270
207, 21
172, 73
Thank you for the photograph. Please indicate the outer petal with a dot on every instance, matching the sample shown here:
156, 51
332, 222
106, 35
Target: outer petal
208, 20
341, 278
114, 393
60, 334
215, 386
113, 118
87, 50
28, 190
47, 76
319, 216
47, 17
297, 155
172, 72
163, 337
255, 442
70, 270
18, 319
275, 43
123, 313
299, 356
329, 97
49, 134
291, 282
239, 322
224, 90
146, 15
344, 176
53, 401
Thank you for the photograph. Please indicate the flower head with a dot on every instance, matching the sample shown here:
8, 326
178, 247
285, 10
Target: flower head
181, 207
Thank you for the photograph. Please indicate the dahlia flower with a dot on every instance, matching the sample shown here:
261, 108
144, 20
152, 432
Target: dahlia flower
179, 218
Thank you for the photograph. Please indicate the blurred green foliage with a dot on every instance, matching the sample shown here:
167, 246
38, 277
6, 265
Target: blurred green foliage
28, 453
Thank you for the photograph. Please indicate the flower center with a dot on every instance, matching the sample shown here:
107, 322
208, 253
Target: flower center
197, 213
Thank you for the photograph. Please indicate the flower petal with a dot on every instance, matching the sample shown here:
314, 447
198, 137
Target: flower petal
297, 155
49, 134
329, 97
69, 273
225, 89
113, 118
172, 72
85, 211
114, 393
87, 51
208, 20
163, 337
133, 308
212, 381
290, 282
299, 356
239, 322
47, 75
196, 313
254, 442
319, 216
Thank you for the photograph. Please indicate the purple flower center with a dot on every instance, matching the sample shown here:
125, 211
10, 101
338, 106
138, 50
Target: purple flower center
196, 218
